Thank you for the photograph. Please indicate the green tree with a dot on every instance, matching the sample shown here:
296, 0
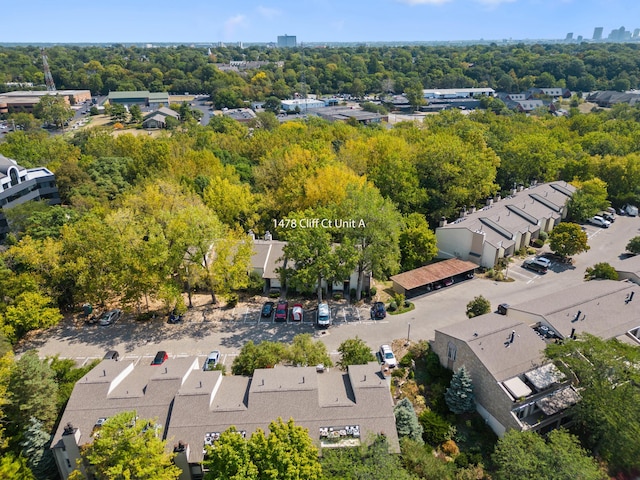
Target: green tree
589, 198
608, 413
135, 114
417, 242
32, 392
263, 355
601, 270
287, 453
304, 351
272, 104
435, 428
568, 239
459, 396
407, 421
354, 351
26, 121
375, 236
420, 462
634, 245
30, 311
35, 448
478, 306
370, 461
117, 112
14, 467
129, 447
521, 455
53, 109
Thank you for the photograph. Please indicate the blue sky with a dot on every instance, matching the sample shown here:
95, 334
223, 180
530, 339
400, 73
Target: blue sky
200, 21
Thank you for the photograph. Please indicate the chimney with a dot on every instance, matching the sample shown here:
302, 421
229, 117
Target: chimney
463, 212
498, 197
267, 236
577, 316
513, 336
520, 188
473, 209
443, 221
514, 190
489, 202
252, 235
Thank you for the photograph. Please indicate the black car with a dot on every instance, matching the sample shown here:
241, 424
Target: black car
534, 266
267, 309
112, 355
378, 311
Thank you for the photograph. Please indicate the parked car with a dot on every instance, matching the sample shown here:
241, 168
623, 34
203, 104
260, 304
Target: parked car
297, 313
282, 312
378, 311
631, 210
111, 355
160, 358
212, 360
534, 266
267, 309
110, 317
610, 217
387, 357
598, 221
544, 261
502, 308
323, 318
447, 282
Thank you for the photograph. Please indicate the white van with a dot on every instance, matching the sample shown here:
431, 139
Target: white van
631, 210
323, 318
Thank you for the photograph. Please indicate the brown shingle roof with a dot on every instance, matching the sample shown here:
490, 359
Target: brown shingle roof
432, 273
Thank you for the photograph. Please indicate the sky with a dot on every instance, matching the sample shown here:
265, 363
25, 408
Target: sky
212, 21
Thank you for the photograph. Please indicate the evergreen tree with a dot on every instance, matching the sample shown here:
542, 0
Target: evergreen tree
407, 421
32, 392
459, 395
35, 448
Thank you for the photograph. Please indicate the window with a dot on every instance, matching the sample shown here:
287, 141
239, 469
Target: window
451, 352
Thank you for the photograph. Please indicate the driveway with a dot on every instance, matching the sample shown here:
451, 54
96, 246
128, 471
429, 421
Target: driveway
207, 328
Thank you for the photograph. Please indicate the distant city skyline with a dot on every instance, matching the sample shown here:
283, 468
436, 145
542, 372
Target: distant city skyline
311, 21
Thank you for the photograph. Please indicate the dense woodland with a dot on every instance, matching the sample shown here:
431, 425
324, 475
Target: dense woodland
140, 214
356, 71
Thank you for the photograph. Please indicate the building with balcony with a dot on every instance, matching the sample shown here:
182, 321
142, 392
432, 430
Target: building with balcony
19, 185
516, 387
193, 407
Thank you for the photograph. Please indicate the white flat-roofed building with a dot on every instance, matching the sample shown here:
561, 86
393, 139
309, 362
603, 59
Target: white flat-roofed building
457, 92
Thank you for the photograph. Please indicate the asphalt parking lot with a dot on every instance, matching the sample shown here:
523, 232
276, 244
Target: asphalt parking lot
207, 328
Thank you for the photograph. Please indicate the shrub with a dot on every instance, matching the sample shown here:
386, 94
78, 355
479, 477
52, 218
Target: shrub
337, 296
398, 372
450, 448
352, 293
373, 291
393, 306
232, 300
435, 429
538, 243
462, 460
399, 299
490, 273
406, 361
543, 236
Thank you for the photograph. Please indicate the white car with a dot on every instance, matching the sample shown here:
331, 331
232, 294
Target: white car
297, 313
598, 221
387, 357
545, 262
211, 361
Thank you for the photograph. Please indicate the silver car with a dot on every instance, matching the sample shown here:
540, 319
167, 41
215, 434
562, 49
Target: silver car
110, 317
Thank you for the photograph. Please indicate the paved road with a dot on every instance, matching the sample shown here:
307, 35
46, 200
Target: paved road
207, 328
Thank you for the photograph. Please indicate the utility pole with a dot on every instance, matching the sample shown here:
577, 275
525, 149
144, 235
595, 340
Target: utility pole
48, 79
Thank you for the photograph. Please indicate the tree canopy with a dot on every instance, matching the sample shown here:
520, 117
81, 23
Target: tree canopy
568, 239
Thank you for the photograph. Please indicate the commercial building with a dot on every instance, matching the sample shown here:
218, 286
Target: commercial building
158, 118
25, 101
142, 98
345, 114
457, 92
242, 115
597, 33
515, 386
19, 185
301, 104
504, 226
287, 41
193, 406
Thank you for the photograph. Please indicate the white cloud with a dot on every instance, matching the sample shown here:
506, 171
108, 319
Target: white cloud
268, 13
231, 25
424, 2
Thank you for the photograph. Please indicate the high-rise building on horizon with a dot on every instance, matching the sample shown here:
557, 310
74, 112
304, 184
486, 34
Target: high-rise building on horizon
597, 33
285, 41
569, 37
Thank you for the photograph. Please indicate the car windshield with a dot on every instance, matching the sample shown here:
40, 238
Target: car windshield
388, 355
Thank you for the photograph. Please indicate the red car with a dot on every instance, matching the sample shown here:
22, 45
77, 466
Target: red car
160, 358
282, 312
